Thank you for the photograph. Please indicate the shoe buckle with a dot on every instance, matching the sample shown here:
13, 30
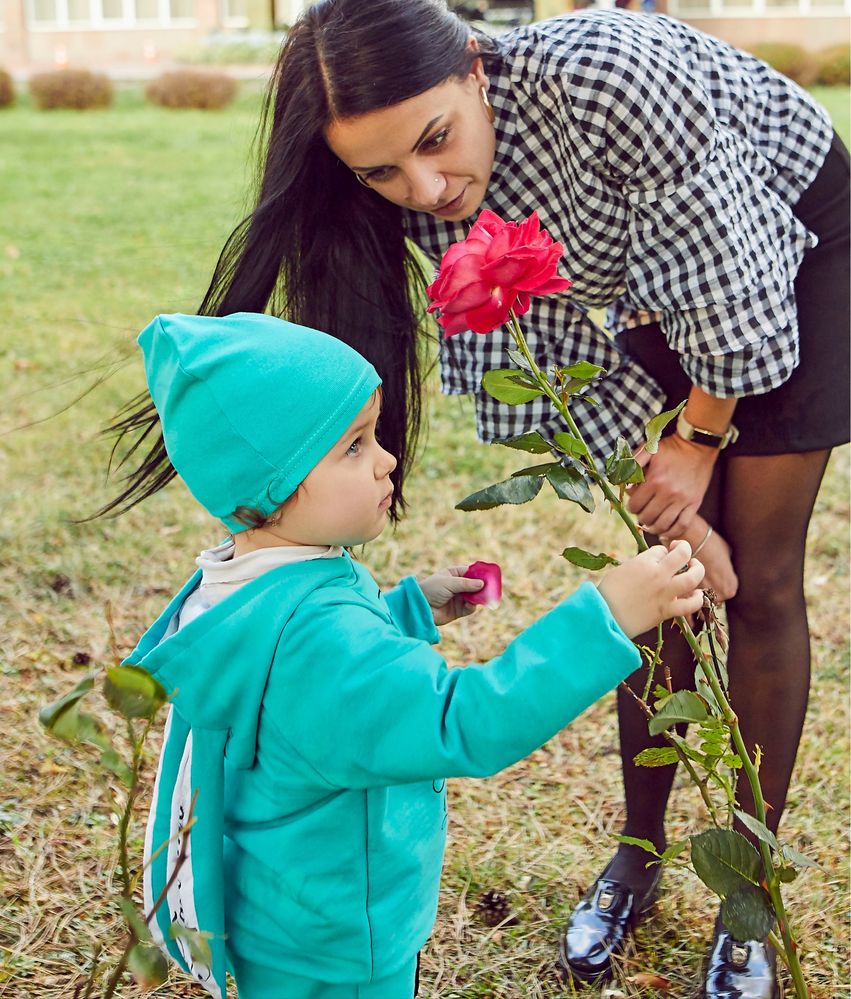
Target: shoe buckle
605, 899
739, 954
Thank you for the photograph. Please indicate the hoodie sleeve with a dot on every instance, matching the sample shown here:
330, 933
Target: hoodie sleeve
365, 706
411, 612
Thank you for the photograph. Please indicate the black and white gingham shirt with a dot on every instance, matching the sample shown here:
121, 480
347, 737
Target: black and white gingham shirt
667, 163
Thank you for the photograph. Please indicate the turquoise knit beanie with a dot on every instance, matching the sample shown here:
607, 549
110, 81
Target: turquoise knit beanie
249, 404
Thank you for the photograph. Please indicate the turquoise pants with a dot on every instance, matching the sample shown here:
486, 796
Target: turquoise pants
254, 981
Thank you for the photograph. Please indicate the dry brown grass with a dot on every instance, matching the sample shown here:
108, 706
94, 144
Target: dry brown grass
537, 832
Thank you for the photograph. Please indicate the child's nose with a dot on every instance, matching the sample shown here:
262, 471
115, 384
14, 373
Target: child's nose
388, 462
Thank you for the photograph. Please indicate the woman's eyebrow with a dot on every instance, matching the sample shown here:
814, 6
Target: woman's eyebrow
416, 145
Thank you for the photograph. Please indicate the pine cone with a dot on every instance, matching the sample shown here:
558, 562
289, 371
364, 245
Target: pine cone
494, 908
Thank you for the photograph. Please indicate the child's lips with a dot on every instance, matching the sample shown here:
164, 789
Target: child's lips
385, 503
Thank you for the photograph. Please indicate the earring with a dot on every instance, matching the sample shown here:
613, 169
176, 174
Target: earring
487, 104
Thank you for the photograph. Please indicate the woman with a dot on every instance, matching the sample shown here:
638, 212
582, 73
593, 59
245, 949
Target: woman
690, 185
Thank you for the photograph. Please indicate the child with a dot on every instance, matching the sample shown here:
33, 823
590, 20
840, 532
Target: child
308, 710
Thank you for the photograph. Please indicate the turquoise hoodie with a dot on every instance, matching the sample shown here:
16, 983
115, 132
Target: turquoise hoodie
316, 724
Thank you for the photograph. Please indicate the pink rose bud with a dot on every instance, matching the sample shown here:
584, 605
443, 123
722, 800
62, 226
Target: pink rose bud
491, 593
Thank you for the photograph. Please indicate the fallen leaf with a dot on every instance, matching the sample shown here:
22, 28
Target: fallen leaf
650, 981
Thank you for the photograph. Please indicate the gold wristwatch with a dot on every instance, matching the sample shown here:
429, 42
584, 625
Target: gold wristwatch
705, 437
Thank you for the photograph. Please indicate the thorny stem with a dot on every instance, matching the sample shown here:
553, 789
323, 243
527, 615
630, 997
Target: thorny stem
787, 953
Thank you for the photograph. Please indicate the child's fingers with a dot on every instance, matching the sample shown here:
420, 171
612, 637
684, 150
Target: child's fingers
689, 577
684, 606
677, 555
464, 584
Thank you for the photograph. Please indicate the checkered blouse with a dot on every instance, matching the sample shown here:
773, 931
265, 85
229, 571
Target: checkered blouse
667, 163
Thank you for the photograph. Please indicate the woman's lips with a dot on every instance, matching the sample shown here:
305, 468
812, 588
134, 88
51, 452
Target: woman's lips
451, 207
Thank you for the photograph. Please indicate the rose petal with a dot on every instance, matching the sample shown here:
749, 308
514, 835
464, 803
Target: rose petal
491, 593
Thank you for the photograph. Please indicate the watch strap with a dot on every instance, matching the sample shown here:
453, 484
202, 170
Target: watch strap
708, 438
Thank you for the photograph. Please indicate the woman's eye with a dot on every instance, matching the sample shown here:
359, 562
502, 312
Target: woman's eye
436, 141
377, 176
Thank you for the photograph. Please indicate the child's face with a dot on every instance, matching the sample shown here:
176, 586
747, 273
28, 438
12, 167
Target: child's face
345, 498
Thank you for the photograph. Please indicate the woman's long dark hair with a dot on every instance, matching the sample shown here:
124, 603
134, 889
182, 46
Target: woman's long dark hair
319, 249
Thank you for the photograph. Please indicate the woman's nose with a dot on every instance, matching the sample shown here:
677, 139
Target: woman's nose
427, 186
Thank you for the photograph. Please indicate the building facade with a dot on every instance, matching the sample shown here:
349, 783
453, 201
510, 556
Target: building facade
42, 34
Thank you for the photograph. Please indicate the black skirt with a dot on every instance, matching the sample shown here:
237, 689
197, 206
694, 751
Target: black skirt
810, 411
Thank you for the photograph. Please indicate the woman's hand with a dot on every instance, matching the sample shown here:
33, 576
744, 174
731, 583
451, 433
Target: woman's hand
655, 585
716, 556
675, 481
443, 591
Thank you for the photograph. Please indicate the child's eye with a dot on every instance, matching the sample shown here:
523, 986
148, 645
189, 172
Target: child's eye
354, 447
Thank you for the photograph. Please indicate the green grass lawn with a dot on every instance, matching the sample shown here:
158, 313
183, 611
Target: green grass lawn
107, 218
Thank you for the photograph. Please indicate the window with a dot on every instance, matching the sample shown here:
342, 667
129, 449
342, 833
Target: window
234, 13
106, 14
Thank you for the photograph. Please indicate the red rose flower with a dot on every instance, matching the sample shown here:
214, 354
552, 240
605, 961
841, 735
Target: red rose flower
493, 271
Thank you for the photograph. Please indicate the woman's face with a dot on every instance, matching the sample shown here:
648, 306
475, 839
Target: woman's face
431, 153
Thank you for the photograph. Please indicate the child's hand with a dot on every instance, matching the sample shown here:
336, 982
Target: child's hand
650, 588
443, 591
716, 556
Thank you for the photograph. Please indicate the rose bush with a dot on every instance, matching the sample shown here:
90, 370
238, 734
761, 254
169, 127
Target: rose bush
494, 271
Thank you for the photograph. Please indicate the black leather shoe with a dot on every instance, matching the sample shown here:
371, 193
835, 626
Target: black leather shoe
600, 925
740, 969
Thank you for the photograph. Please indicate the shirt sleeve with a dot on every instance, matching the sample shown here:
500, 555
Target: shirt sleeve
411, 611
366, 706
712, 247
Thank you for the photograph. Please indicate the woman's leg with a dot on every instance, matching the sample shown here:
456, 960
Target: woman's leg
768, 502
646, 789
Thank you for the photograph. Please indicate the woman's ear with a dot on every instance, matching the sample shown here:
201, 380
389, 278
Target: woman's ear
477, 69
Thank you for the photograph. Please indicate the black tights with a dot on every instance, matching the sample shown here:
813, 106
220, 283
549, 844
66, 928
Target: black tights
762, 506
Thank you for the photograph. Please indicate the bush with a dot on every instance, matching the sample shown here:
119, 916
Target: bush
192, 88
790, 60
7, 89
71, 88
833, 66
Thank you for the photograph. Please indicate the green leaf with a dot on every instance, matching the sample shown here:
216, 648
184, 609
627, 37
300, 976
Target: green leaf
111, 761
50, 713
519, 359
570, 445
148, 965
584, 370
675, 849
747, 913
63, 718
725, 861
195, 940
584, 397
683, 706
570, 484
519, 490
536, 469
506, 386
798, 859
653, 430
656, 756
135, 921
786, 874
532, 442
585, 560
133, 692
621, 467
759, 829
645, 844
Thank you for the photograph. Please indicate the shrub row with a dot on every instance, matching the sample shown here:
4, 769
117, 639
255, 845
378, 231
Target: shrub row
208, 89
81, 88
829, 67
